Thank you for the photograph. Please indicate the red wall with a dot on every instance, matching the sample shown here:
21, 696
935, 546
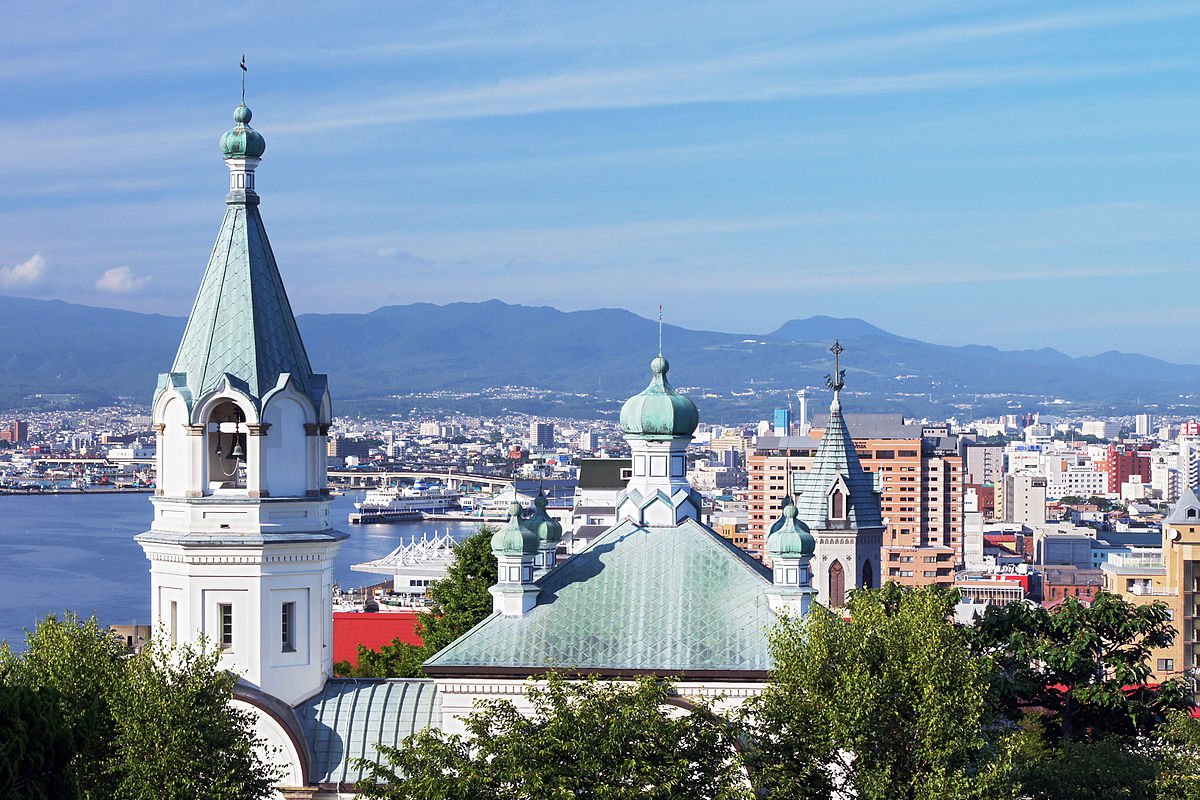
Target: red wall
352, 628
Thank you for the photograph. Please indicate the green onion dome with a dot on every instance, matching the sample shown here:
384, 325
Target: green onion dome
243, 141
548, 529
790, 537
658, 411
515, 538
783, 506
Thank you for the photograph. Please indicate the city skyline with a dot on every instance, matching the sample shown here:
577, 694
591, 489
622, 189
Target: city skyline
864, 162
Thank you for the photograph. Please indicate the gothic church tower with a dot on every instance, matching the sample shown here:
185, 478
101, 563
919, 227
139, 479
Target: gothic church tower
241, 548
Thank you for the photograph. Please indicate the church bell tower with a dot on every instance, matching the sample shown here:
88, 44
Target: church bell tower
241, 547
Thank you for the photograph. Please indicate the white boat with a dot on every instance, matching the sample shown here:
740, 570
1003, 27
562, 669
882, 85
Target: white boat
395, 503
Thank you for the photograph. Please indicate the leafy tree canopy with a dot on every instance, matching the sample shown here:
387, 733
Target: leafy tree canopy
887, 704
578, 739
154, 725
1086, 664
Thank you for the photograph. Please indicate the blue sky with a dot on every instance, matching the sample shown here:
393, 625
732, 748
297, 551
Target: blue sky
1017, 174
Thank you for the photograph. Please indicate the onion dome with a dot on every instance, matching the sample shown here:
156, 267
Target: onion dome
658, 411
243, 141
548, 529
514, 539
783, 507
790, 537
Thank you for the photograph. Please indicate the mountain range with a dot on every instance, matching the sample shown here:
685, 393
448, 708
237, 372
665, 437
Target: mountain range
585, 362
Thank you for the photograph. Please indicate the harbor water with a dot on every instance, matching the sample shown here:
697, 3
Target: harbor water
76, 552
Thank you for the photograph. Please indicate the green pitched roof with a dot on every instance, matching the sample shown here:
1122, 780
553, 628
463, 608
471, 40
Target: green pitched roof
661, 600
242, 323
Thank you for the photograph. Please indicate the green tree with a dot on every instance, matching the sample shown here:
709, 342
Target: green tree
461, 601
153, 725
76, 662
1086, 664
36, 747
1074, 770
177, 735
887, 704
582, 740
1176, 750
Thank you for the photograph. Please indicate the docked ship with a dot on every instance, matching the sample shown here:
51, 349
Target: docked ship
400, 503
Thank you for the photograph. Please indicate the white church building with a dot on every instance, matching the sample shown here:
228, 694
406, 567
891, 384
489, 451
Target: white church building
242, 546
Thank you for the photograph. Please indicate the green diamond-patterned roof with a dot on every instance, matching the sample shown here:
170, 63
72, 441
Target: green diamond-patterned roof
663, 600
242, 323
836, 456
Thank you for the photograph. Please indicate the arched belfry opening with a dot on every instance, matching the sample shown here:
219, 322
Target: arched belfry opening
837, 585
868, 576
837, 504
225, 446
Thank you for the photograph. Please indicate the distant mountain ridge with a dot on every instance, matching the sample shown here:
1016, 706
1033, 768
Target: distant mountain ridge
602, 354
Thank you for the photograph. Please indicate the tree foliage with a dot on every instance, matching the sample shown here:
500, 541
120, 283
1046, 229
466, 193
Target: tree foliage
579, 739
36, 747
461, 601
153, 725
887, 704
1087, 665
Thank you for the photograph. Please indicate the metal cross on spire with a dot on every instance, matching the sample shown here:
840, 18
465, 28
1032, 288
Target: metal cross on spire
838, 379
244, 70
660, 329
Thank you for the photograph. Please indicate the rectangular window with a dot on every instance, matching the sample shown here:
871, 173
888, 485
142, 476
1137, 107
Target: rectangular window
1166, 665
225, 615
287, 628
174, 622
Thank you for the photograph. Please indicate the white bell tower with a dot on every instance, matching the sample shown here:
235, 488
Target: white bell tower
241, 547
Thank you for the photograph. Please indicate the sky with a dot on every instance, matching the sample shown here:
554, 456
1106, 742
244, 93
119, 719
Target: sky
1020, 174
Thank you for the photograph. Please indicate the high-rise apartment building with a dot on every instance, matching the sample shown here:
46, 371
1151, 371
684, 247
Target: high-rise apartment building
541, 434
1025, 498
18, 431
1125, 462
918, 474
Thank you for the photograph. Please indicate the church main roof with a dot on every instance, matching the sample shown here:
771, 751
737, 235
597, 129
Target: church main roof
669, 601
242, 323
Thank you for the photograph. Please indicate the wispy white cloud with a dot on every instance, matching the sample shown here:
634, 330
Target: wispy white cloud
121, 280
27, 273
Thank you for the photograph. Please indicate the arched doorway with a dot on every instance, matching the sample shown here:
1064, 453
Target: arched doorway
868, 576
837, 585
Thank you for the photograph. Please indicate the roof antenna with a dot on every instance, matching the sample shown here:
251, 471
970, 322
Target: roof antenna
660, 329
244, 77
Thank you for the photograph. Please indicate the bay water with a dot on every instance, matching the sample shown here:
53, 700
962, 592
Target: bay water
75, 552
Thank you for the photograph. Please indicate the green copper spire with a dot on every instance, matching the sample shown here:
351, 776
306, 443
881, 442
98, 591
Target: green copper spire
242, 324
515, 538
658, 411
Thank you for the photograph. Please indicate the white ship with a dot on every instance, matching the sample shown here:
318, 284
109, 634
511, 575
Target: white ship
398, 503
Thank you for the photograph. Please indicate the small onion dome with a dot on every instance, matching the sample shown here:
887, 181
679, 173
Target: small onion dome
514, 539
548, 529
790, 537
783, 507
243, 141
659, 411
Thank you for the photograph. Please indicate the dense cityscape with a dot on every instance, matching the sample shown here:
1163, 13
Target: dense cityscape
417, 498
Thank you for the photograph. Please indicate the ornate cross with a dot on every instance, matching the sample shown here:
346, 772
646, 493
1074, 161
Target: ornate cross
838, 379
243, 79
